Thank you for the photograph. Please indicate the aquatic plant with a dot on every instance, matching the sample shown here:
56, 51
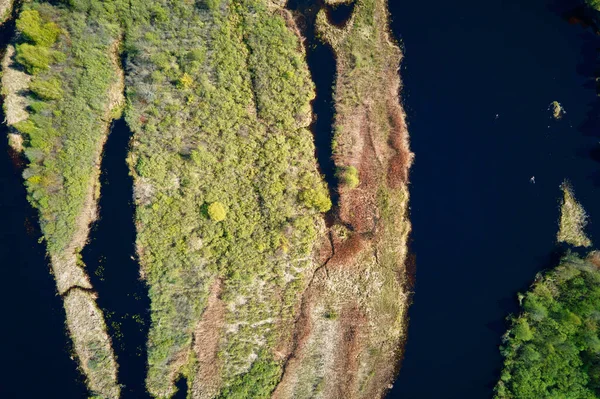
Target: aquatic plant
557, 110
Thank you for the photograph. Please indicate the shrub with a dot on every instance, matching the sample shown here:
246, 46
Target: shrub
185, 81
595, 4
316, 198
348, 175
47, 89
35, 59
217, 211
32, 27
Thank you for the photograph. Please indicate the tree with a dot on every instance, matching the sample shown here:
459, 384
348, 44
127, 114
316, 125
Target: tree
217, 211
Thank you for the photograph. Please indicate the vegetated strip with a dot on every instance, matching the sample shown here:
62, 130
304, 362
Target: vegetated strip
65, 61
227, 191
353, 316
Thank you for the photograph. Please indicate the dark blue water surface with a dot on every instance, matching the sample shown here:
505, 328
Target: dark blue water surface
113, 266
479, 77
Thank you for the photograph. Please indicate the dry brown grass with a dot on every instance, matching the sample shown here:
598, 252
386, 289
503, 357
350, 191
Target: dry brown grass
14, 83
91, 342
207, 337
5, 9
573, 220
353, 313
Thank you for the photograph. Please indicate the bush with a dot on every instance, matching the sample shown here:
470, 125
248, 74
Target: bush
32, 27
35, 59
217, 211
348, 175
595, 4
47, 89
316, 198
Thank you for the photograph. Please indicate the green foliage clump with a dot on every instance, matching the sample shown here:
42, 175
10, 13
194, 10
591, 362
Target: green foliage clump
595, 4
258, 383
217, 212
317, 198
36, 30
553, 347
348, 175
47, 89
35, 59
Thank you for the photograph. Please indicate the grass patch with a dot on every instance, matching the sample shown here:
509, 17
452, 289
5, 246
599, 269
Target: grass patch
573, 220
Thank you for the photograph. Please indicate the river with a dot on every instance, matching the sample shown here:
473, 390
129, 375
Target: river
478, 79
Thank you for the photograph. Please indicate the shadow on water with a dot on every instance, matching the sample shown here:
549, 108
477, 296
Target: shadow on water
35, 345
111, 259
322, 66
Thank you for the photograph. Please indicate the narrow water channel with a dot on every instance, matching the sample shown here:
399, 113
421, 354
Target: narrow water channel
478, 79
322, 66
36, 354
112, 262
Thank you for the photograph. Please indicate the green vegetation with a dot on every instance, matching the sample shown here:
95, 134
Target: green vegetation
595, 4
573, 220
68, 54
219, 102
349, 176
217, 211
553, 347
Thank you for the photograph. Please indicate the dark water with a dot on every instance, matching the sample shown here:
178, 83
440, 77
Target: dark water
112, 262
35, 347
182, 388
479, 76
322, 66
339, 14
